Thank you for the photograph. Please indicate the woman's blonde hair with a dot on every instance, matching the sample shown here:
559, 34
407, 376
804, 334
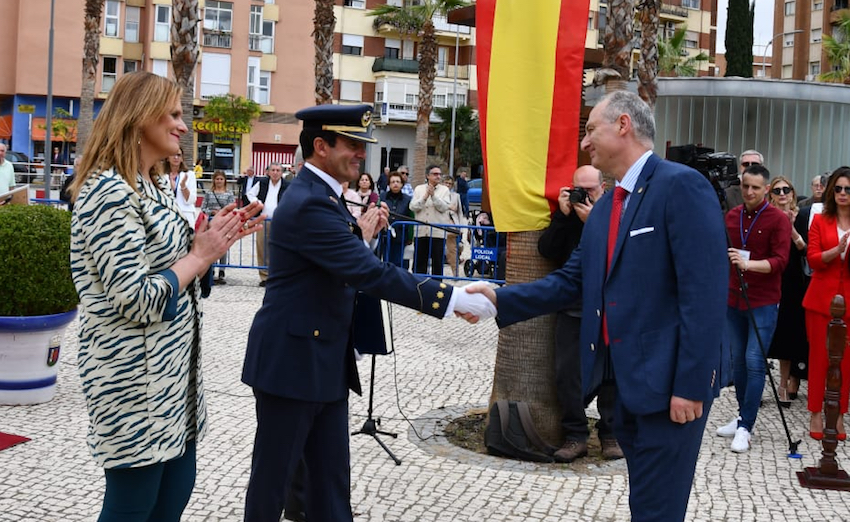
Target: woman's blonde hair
792, 194
136, 100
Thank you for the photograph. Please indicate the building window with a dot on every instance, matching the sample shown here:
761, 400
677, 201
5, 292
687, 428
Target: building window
411, 99
789, 8
255, 27
110, 73
442, 60
111, 18
131, 25
817, 6
350, 91
602, 19
215, 74
392, 48
379, 96
439, 100
461, 99
814, 68
162, 25
358, 4
267, 41
590, 21
160, 68
258, 82
218, 24
397, 3
352, 44
130, 66
789, 40
691, 40
816, 35
786, 71
690, 4
759, 73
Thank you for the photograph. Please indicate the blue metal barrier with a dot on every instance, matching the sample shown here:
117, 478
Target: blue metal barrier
485, 262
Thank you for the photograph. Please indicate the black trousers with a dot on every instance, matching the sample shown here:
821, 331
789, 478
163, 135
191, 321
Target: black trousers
432, 248
569, 388
288, 431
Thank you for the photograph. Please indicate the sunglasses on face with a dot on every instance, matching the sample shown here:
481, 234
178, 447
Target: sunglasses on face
781, 190
839, 188
746, 164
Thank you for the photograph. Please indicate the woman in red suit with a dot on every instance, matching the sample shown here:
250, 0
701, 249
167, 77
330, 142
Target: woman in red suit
828, 237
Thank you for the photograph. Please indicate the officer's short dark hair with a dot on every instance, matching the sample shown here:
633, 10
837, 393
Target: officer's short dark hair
307, 137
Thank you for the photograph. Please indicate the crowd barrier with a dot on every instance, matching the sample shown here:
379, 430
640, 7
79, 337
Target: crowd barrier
479, 253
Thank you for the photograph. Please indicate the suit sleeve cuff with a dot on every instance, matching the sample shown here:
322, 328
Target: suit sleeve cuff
171, 306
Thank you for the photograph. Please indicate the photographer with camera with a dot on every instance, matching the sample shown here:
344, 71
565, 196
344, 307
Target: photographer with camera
760, 243
557, 243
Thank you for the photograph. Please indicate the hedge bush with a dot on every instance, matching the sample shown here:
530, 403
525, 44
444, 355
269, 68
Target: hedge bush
35, 266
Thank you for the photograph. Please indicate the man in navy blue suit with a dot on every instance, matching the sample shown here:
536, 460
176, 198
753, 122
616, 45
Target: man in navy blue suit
300, 355
653, 303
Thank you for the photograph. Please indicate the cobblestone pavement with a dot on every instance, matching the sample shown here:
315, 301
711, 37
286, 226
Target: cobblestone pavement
441, 371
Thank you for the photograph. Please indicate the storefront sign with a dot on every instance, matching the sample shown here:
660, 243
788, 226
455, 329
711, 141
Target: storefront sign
217, 127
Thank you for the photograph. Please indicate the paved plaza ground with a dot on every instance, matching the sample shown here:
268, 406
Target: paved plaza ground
441, 371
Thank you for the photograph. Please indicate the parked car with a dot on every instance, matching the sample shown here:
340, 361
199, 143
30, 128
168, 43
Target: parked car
474, 193
24, 172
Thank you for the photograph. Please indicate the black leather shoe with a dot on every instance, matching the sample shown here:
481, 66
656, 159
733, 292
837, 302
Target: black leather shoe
262, 284
297, 516
611, 449
570, 451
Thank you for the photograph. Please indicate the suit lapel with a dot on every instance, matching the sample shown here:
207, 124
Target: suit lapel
635, 200
340, 201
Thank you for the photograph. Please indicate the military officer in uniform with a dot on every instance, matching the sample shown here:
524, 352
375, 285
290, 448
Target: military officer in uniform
300, 359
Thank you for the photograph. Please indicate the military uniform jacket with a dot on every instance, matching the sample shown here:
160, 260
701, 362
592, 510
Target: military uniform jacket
300, 343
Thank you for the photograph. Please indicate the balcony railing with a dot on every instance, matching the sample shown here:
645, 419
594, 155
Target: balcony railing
215, 39
395, 65
262, 43
674, 10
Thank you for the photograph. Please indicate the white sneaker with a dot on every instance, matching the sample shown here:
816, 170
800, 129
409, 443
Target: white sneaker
741, 442
728, 430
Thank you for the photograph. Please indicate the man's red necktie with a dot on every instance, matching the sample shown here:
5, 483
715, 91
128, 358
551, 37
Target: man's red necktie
613, 229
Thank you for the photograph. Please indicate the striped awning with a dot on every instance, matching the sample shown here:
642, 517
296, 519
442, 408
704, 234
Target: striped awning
6, 127
261, 157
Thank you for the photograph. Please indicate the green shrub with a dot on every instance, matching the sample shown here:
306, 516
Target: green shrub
35, 266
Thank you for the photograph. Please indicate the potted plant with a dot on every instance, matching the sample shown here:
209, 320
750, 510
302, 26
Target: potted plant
39, 299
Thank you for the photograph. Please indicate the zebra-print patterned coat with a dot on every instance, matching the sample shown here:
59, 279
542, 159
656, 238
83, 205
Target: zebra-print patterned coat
139, 355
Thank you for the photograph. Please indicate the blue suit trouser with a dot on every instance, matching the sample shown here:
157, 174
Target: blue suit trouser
287, 431
661, 456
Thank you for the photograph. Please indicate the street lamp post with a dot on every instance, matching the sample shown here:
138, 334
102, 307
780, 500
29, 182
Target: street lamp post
766, 47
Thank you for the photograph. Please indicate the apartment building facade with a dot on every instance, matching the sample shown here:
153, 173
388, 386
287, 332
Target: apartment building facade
799, 26
379, 66
697, 17
249, 48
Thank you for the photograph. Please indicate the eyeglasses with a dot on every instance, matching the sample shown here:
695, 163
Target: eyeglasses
781, 190
746, 164
845, 188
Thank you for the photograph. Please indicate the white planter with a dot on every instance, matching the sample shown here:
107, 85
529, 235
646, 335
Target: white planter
29, 356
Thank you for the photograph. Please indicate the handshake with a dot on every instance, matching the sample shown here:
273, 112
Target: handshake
475, 302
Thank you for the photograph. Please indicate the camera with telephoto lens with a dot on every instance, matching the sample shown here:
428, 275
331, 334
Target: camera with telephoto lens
578, 195
719, 168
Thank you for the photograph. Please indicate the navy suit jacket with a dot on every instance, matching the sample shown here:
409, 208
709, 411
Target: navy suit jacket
300, 344
665, 292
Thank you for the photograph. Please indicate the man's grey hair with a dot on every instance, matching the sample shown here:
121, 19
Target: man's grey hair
5, 147
625, 102
751, 152
275, 163
299, 156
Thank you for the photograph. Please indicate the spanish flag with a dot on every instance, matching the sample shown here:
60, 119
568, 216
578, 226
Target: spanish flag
530, 58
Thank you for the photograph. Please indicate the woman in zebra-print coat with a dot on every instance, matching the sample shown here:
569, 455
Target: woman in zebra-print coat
136, 262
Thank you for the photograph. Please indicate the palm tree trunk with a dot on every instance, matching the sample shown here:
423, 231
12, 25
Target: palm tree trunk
427, 72
648, 64
184, 58
619, 32
91, 57
525, 357
323, 37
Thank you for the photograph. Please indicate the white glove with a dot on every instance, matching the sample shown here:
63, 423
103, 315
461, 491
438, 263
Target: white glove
475, 304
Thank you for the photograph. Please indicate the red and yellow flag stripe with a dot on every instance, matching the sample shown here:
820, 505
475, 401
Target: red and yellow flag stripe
530, 59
